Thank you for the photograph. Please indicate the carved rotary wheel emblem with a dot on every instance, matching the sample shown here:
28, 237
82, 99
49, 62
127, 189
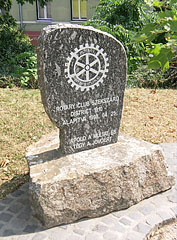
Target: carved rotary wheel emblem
86, 67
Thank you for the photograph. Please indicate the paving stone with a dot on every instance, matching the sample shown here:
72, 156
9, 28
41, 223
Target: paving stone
142, 228
110, 236
30, 229
100, 228
93, 236
64, 226
15, 208
57, 233
10, 237
6, 201
119, 214
2, 207
8, 232
167, 193
174, 209
72, 237
40, 228
23, 215
86, 225
1, 225
39, 236
34, 221
27, 210
147, 209
23, 237
119, 228
17, 224
132, 235
153, 220
24, 200
135, 215
125, 221
17, 193
159, 200
165, 215
172, 198
109, 220
25, 187
174, 189
28, 207
79, 231
5, 217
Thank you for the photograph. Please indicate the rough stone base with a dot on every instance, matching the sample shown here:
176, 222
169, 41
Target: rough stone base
92, 183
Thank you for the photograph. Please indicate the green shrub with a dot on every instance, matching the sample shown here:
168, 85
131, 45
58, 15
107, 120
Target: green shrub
17, 57
123, 19
161, 36
134, 51
144, 77
171, 73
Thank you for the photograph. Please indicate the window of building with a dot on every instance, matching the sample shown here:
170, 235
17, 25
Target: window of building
43, 13
79, 9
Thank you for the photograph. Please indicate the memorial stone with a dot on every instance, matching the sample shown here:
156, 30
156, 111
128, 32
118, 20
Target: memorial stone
82, 73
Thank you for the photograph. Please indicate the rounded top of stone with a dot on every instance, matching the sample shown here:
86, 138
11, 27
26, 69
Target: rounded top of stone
51, 28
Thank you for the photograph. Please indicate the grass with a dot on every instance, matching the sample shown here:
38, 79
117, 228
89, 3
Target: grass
148, 115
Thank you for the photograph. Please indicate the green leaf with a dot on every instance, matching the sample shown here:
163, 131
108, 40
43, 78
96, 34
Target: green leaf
159, 31
166, 14
157, 3
139, 38
167, 28
173, 26
165, 66
164, 57
154, 64
149, 28
155, 50
173, 2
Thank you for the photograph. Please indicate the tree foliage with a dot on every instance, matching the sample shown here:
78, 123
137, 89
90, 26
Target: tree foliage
18, 65
123, 19
161, 36
7, 4
128, 13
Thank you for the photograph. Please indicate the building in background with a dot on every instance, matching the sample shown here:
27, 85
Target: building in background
33, 17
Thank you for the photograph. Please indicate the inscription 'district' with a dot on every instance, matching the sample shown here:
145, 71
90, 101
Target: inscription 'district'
88, 111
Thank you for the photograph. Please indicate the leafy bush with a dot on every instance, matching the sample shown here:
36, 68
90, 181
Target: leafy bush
133, 50
161, 36
123, 19
144, 77
17, 58
171, 73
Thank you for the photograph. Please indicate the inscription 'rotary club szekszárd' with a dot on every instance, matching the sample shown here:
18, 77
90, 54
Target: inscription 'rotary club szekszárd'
86, 67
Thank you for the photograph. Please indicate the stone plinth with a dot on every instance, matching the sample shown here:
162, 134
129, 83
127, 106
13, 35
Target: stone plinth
95, 182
